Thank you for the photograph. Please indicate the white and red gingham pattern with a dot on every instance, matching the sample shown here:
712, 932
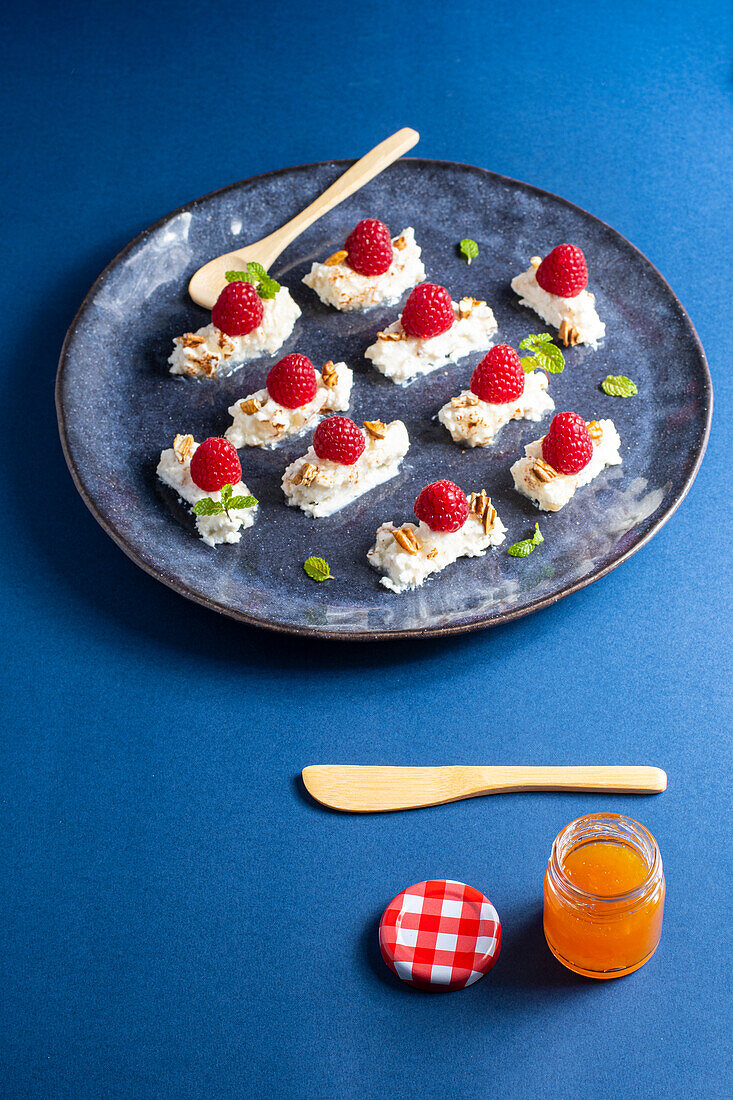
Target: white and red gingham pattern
440, 934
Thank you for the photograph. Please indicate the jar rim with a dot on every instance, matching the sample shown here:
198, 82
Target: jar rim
627, 830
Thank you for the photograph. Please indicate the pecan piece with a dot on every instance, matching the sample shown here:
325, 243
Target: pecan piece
251, 405
376, 428
329, 374
306, 475
480, 506
399, 243
568, 333
464, 400
336, 258
390, 336
407, 539
595, 431
543, 471
182, 447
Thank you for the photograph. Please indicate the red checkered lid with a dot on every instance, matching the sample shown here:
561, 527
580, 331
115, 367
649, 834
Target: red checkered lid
440, 934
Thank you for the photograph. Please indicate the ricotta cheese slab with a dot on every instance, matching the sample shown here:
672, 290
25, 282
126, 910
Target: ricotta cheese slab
174, 469
475, 423
320, 487
338, 285
551, 490
259, 421
575, 318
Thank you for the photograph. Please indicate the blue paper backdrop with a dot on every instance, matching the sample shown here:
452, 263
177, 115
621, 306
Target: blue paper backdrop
180, 921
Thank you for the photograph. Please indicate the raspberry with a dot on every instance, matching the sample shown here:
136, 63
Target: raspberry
443, 506
563, 271
339, 439
238, 309
369, 246
292, 382
215, 463
499, 377
567, 446
428, 311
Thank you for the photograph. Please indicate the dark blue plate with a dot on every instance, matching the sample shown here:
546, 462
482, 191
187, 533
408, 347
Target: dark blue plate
118, 406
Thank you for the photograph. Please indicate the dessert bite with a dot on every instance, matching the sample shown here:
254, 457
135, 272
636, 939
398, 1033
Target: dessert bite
569, 456
208, 476
370, 270
450, 527
556, 289
344, 462
293, 400
500, 391
253, 316
431, 332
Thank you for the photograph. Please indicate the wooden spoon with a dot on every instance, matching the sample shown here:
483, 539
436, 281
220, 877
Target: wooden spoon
206, 285
370, 790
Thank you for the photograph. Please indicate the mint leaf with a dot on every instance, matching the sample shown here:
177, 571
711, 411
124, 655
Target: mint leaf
239, 277
318, 569
545, 355
226, 492
617, 385
242, 502
469, 249
524, 548
267, 287
208, 507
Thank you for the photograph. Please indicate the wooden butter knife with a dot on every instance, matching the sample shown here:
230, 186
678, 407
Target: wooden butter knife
373, 789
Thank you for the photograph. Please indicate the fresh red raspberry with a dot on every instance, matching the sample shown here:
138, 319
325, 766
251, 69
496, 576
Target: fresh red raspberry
563, 271
369, 247
238, 309
499, 377
567, 446
339, 439
292, 382
428, 311
443, 506
215, 463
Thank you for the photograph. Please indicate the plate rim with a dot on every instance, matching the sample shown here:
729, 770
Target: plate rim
310, 631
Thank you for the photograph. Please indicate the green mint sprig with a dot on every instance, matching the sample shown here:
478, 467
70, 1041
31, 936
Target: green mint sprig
267, 287
618, 385
210, 507
318, 569
469, 249
545, 355
524, 548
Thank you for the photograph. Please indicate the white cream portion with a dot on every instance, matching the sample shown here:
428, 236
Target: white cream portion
475, 423
210, 353
551, 496
176, 472
410, 356
578, 312
340, 286
327, 487
438, 549
269, 423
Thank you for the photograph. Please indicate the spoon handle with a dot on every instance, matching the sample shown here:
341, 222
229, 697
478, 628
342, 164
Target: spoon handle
373, 789
365, 169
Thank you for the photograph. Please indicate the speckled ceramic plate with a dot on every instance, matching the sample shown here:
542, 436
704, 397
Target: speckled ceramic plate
118, 406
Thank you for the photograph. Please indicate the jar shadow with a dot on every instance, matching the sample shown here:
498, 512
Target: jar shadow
526, 961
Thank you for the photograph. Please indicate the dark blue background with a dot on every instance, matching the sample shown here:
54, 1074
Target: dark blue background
180, 921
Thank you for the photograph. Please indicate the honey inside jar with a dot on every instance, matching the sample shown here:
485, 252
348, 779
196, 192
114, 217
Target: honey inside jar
604, 896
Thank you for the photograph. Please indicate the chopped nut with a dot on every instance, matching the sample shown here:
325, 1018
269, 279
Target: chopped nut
480, 506
399, 243
543, 471
376, 428
307, 474
226, 346
251, 405
535, 261
192, 340
433, 553
336, 258
569, 334
390, 336
467, 305
407, 539
464, 400
329, 374
182, 447
595, 431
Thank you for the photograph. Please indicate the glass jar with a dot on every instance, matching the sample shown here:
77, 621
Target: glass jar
604, 896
